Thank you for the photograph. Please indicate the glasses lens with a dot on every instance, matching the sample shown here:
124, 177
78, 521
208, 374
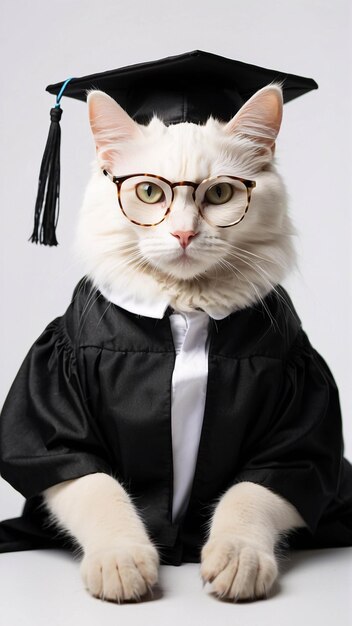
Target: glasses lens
145, 200
222, 201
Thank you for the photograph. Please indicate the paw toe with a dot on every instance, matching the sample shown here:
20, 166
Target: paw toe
215, 557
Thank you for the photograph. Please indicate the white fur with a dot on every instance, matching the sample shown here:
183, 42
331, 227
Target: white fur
222, 270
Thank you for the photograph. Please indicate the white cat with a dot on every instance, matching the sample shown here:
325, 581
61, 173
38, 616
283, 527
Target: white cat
193, 266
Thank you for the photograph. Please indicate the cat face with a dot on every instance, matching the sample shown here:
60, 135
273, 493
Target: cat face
184, 248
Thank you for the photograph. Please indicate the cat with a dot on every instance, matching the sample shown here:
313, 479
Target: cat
195, 268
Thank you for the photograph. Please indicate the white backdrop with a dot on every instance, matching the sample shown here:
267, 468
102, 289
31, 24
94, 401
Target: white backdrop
45, 42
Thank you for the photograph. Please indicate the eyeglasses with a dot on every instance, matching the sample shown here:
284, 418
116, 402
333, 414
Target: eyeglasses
146, 199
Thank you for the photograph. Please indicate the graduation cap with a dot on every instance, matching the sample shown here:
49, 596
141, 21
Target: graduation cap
188, 87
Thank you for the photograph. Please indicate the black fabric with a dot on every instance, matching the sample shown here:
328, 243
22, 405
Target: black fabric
94, 395
188, 87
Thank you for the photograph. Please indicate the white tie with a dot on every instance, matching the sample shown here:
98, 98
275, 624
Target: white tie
189, 383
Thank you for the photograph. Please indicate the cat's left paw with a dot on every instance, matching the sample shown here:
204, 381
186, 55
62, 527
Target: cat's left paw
238, 569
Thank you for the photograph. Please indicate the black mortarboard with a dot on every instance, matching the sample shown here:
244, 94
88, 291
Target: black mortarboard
189, 87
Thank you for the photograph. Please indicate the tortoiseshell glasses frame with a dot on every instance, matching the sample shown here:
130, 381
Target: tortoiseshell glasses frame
207, 183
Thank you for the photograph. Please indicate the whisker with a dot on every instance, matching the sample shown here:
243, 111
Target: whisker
244, 251
260, 270
255, 267
260, 298
90, 302
106, 310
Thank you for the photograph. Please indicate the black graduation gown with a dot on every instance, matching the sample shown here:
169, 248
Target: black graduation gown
94, 395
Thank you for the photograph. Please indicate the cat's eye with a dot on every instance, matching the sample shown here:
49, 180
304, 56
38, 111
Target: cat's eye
219, 193
149, 192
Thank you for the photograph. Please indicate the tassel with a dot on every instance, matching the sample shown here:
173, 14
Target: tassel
47, 205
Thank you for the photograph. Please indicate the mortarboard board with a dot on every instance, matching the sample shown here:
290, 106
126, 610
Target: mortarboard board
188, 87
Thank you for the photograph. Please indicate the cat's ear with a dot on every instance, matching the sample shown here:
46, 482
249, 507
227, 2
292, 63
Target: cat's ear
260, 117
111, 126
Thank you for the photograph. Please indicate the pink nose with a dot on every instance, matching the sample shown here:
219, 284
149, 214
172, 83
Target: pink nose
184, 236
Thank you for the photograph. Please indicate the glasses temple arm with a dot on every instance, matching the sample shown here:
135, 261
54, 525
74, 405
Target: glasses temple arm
113, 179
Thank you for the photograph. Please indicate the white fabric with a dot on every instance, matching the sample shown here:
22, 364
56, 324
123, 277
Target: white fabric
189, 383
134, 304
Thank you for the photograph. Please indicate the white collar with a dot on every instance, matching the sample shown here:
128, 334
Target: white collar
154, 307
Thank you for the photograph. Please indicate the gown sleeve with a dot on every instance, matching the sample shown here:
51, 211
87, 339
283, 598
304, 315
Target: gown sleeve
47, 434
300, 456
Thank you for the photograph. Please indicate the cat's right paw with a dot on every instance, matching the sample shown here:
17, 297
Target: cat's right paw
124, 571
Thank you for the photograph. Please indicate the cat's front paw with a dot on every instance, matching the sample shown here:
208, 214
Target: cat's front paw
238, 569
124, 571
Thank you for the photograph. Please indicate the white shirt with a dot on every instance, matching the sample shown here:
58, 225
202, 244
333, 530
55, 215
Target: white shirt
190, 333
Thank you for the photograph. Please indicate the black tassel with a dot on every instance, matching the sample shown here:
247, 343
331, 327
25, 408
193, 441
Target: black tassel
46, 217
